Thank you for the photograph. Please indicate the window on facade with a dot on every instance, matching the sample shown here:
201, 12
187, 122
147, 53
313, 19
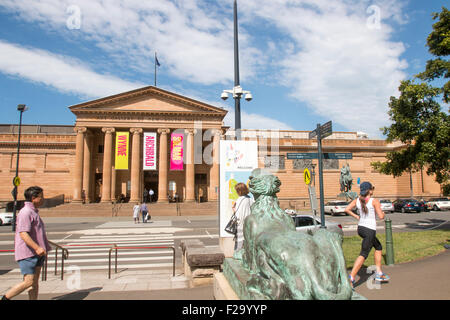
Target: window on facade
330, 164
302, 164
274, 162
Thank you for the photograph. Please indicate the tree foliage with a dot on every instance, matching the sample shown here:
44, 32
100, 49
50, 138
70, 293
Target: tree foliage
418, 120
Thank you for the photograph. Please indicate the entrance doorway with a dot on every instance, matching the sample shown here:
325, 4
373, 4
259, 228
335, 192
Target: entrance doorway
150, 183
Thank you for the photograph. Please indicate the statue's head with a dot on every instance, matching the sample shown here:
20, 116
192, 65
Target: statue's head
263, 182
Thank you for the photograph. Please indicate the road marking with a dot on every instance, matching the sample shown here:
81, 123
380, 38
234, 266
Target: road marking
210, 236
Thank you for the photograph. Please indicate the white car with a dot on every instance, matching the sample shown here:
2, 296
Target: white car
387, 206
6, 218
309, 223
335, 207
438, 204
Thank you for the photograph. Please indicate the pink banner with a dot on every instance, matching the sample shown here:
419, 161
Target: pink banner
176, 151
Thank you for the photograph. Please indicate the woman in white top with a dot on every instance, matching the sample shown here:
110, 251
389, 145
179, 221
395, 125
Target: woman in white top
242, 209
136, 211
367, 228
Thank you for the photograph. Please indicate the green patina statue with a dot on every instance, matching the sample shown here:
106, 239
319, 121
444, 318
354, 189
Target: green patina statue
278, 262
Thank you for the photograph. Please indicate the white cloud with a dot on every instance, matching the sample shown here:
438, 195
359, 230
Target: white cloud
193, 41
60, 72
330, 58
341, 68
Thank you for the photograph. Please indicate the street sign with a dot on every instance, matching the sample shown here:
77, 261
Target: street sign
325, 131
16, 181
315, 155
307, 176
302, 155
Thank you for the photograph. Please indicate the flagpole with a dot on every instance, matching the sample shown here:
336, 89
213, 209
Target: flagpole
155, 68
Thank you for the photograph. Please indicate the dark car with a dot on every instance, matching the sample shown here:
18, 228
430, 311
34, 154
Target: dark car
408, 205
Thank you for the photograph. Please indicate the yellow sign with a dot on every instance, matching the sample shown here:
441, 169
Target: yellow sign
16, 181
307, 176
122, 150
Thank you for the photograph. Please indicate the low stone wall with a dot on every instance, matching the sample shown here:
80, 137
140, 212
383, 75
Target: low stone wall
200, 263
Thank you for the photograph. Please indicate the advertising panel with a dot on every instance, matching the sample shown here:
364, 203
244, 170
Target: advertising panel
237, 160
150, 150
176, 151
122, 150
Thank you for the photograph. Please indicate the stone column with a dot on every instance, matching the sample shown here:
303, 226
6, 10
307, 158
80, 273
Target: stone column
107, 164
87, 167
135, 164
190, 166
78, 171
113, 183
214, 171
162, 177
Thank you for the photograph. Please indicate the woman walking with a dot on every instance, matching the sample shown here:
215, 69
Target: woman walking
136, 211
367, 228
242, 209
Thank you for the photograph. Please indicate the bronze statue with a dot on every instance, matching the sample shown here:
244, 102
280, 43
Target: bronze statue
346, 179
279, 262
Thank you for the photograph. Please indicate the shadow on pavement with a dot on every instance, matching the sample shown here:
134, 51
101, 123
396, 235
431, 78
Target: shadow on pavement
77, 295
434, 224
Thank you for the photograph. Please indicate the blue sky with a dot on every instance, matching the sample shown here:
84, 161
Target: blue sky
305, 61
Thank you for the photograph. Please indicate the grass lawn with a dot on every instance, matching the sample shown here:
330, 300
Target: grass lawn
408, 246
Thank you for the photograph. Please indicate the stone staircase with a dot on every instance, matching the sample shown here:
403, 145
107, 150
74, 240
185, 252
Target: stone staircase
126, 209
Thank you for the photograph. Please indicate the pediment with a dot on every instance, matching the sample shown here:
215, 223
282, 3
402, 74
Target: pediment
148, 100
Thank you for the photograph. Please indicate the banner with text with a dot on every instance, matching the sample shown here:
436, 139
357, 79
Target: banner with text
237, 160
176, 151
150, 151
122, 139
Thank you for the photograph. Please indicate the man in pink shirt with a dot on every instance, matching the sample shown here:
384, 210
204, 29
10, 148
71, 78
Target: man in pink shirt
31, 244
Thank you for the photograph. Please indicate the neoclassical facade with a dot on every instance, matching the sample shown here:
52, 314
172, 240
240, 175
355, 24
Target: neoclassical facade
78, 161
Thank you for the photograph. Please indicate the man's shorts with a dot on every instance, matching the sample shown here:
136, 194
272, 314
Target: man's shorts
28, 265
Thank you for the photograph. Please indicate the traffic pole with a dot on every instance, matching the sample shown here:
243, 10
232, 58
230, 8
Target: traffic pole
389, 242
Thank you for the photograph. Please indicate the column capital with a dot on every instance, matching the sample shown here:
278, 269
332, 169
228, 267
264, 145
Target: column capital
80, 129
108, 130
136, 130
190, 131
163, 131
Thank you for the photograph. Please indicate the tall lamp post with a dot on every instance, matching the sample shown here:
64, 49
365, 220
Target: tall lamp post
237, 91
16, 181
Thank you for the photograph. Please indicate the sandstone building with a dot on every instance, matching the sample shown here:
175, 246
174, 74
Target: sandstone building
78, 161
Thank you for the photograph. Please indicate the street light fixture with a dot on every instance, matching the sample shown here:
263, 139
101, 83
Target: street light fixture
237, 91
16, 181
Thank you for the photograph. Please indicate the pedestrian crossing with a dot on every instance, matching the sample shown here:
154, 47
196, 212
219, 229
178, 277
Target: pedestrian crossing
89, 248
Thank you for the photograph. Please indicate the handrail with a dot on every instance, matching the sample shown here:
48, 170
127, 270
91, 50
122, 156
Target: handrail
135, 248
65, 255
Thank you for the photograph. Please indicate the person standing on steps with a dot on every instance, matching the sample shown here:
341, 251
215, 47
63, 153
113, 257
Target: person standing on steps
144, 211
367, 207
30, 244
136, 211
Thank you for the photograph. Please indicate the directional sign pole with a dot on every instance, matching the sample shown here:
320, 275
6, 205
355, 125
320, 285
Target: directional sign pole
322, 212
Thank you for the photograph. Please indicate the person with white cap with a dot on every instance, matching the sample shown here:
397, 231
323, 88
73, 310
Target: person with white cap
367, 228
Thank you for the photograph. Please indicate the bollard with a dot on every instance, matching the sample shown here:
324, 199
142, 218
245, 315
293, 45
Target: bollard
389, 243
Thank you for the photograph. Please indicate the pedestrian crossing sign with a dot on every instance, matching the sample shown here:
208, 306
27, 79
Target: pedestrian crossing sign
307, 176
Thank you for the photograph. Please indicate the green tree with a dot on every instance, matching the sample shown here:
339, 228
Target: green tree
417, 116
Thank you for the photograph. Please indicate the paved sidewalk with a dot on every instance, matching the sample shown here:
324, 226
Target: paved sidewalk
424, 279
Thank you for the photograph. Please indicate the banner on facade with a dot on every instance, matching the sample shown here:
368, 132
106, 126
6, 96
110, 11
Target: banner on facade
149, 151
176, 151
237, 160
122, 150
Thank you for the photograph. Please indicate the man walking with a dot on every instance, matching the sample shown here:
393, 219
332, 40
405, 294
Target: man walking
31, 244
144, 211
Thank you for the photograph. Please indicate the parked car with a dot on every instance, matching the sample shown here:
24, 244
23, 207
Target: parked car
407, 205
305, 223
335, 207
437, 204
6, 218
387, 206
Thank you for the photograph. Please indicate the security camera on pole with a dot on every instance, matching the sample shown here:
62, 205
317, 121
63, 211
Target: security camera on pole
237, 91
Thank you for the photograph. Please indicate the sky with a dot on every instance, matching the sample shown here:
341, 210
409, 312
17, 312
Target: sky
304, 61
